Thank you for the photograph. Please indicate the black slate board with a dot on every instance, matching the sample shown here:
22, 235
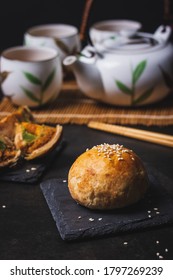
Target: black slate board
30, 171
76, 222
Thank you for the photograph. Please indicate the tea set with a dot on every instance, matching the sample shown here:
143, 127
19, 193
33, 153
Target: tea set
122, 66
32, 74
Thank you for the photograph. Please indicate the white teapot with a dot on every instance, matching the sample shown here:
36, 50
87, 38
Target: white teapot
128, 70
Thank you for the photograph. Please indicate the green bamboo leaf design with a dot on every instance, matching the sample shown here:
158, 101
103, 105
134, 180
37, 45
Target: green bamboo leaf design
138, 71
113, 37
143, 96
167, 79
48, 80
30, 95
123, 87
61, 45
4, 75
33, 79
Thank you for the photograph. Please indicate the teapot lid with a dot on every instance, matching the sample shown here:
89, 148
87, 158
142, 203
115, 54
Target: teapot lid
135, 43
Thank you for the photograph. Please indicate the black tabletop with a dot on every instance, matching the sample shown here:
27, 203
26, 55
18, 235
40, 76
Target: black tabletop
28, 230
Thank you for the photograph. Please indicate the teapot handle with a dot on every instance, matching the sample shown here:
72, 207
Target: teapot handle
90, 52
163, 33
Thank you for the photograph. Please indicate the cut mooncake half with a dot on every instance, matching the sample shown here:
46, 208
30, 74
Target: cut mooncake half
36, 140
7, 124
9, 154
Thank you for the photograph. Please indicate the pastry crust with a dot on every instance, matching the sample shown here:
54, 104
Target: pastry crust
36, 140
107, 177
8, 152
20, 137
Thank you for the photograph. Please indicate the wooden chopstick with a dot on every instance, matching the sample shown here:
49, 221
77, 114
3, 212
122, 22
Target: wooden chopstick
149, 136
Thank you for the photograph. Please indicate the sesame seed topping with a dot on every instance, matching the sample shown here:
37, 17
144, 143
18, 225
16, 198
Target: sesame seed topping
157, 212
27, 170
155, 208
125, 243
120, 158
166, 250
64, 181
91, 219
79, 217
99, 219
157, 242
3, 206
108, 151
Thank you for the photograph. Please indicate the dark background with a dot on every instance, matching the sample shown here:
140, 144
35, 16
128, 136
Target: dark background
16, 16
27, 230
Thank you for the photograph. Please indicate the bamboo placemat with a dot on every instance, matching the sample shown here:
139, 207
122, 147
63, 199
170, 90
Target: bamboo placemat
72, 106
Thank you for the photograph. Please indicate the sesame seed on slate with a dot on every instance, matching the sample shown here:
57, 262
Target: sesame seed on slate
33, 168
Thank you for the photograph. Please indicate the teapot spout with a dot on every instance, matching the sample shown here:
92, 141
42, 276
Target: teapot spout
87, 75
69, 61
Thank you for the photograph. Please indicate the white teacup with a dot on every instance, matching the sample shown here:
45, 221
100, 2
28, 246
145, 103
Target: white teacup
31, 76
102, 30
62, 37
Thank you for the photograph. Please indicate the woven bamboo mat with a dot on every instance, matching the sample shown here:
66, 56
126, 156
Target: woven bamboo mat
73, 107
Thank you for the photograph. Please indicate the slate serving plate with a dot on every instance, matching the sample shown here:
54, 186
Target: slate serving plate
76, 222
31, 171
